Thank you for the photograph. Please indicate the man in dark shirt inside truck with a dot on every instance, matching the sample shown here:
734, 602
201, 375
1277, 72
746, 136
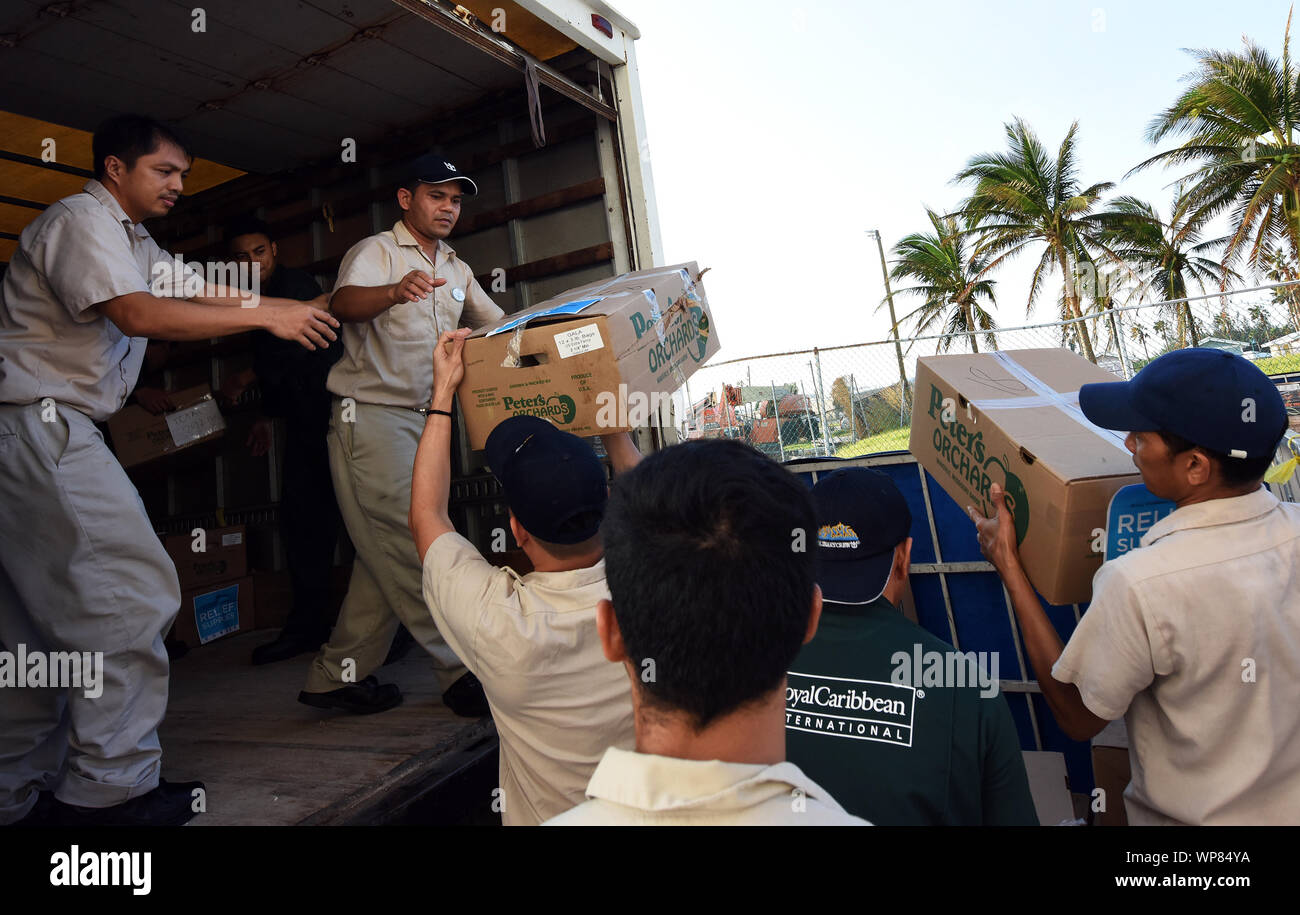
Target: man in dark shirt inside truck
292, 382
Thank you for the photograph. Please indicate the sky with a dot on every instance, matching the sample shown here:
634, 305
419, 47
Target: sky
780, 131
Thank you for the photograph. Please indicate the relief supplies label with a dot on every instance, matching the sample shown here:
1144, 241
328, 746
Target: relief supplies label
217, 613
579, 340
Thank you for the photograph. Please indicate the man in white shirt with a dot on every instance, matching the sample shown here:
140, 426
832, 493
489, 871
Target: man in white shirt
1193, 638
530, 639
396, 292
81, 570
709, 551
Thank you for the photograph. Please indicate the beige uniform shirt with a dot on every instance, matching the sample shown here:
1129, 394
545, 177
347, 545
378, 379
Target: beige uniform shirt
389, 359
83, 250
1194, 638
532, 641
641, 789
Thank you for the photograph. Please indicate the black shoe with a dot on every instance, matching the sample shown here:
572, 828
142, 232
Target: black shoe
466, 698
401, 646
364, 698
286, 645
167, 805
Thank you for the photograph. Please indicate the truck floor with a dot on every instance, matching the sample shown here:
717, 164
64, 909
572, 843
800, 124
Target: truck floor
266, 759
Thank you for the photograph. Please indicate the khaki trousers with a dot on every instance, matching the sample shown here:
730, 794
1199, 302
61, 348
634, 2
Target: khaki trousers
81, 570
371, 459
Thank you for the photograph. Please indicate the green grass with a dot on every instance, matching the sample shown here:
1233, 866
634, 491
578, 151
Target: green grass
893, 440
1277, 365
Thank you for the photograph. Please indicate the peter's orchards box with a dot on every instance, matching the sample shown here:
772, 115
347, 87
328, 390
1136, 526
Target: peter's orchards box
599, 358
1013, 418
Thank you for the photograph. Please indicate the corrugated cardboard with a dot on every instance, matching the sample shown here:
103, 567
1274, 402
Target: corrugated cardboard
592, 359
140, 436
215, 611
225, 556
1012, 418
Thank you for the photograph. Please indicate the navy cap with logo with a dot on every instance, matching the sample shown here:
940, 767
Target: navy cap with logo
553, 481
434, 169
1212, 398
861, 518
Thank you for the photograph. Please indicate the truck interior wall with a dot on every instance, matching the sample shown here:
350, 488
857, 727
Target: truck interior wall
535, 249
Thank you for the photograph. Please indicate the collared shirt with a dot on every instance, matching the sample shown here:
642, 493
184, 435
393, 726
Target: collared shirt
389, 359
889, 750
532, 641
83, 250
642, 789
1194, 638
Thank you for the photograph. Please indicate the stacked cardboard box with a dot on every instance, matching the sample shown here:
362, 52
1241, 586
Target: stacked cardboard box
139, 436
217, 595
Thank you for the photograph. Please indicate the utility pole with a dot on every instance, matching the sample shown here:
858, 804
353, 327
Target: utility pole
893, 321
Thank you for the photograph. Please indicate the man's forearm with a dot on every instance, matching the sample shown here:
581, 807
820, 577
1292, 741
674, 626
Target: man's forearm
145, 315
622, 451
1043, 648
361, 303
431, 478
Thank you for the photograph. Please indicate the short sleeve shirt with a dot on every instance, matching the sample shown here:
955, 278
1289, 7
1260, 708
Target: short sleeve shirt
389, 359
532, 641
1194, 639
83, 250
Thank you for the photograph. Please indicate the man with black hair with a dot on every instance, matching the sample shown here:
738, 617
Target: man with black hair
531, 639
81, 569
1193, 637
946, 755
708, 554
396, 293
292, 383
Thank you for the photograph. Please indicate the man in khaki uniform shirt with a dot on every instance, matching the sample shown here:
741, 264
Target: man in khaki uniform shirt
396, 292
81, 569
531, 639
711, 600
1194, 637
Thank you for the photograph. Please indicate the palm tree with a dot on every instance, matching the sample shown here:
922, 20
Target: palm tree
1164, 256
1238, 118
948, 275
1023, 198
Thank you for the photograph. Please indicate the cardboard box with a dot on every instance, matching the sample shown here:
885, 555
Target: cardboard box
1013, 418
215, 611
594, 360
225, 556
139, 436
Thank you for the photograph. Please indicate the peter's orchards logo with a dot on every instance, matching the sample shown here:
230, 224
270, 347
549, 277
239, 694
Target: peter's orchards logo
559, 408
974, 470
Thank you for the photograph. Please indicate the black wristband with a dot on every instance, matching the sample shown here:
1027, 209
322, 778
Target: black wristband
446, 413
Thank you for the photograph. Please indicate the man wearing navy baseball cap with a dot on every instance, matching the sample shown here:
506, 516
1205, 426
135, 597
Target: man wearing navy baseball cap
1192, 637
530, 639
396, 292
856, 720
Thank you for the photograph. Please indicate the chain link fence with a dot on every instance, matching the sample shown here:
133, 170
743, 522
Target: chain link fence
854, 400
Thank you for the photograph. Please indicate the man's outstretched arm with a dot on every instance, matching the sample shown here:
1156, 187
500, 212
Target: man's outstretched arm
429, 518
997, 537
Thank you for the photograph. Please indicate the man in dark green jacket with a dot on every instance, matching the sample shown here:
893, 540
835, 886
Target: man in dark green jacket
900, 728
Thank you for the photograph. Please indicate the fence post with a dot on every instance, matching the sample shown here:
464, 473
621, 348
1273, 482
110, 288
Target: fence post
821, 401
780, 436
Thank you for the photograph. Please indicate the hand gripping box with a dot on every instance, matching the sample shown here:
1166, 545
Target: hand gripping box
1013, 417
600, 358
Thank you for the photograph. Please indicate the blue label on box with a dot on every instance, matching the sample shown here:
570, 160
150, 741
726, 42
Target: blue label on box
216, 613
1134, 510
567, 308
